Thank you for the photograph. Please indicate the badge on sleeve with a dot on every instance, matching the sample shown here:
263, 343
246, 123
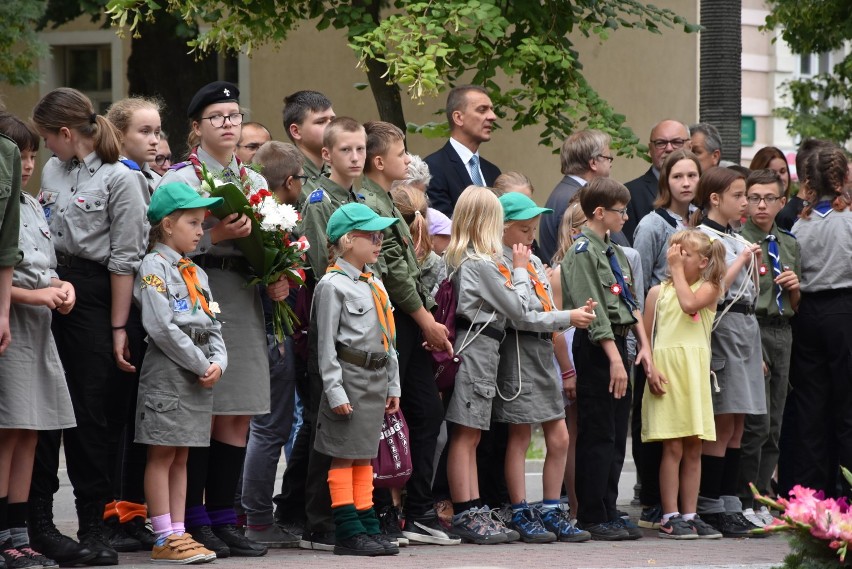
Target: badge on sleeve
315, 196
154, 281
582, 246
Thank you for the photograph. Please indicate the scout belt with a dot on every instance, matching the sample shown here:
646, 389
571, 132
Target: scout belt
360, 358
739, 308
490, 331
236, 264
199, 336
546, 336
72, 261
621, 329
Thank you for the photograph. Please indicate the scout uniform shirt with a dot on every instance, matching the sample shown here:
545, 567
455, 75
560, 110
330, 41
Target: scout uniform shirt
536, 318
321, 203
151, 177
38, 258
398, 261
168, 315
586, 273
314, 175
10, 203
743, 286
482, 290
96, 211
184, 172
790, 256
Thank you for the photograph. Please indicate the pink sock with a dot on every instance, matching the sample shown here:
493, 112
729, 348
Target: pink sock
162, 527
178, 528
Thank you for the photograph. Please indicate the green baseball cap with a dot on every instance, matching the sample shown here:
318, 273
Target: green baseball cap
353, 216
518, 207
174, 196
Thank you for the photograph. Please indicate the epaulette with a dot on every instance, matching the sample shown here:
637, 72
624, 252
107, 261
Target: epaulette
786, 232
179, 165
130, 164
582, 246
316, 196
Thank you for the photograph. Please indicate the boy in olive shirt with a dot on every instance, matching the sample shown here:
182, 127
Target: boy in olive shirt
10, 203
387, 161
306, 114
776, 304
596, 268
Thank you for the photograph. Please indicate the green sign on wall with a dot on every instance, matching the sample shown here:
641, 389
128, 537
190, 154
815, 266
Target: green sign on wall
748, 131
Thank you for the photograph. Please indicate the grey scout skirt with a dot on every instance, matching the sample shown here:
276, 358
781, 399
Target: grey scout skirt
738, 363
540, 397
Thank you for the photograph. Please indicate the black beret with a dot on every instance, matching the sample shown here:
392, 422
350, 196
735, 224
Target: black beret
215, 92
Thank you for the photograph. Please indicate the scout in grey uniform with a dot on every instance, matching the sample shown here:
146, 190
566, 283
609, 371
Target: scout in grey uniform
736, 360
186, 356
95, 207
215, 117
356, 341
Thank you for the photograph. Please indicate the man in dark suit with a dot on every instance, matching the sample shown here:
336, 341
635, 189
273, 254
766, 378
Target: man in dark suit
666, 137
585, 155
457, 164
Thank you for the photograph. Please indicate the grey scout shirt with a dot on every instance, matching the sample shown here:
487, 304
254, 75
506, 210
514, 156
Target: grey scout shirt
168, 316
734, 245
535, 318
481, 290
586, 273
790, 256
826, 250
346, 314
321, 203
184, 172
38, 259
96, 211
10, 204
398, 261
651, 240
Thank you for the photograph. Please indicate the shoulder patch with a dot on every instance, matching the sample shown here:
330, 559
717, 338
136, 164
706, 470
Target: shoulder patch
154, 281
179, 165
360, 196
786, 232
316, 196
130, 164
582, 246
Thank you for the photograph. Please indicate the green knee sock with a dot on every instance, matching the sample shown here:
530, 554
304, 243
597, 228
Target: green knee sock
347, 522
370, 521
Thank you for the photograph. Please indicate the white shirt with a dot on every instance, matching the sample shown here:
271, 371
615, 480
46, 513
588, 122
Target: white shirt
465, 154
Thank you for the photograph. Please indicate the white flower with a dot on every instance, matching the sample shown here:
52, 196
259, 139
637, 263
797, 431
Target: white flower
276, 216
219, 182
214, 308
205, 188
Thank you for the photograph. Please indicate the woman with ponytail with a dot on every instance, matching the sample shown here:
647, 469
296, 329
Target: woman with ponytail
95, 206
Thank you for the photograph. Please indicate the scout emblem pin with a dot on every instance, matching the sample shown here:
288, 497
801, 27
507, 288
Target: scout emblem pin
762, 270
615, 289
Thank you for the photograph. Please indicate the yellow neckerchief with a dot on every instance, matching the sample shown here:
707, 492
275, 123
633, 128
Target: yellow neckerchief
540, 291
196, 294
384, 310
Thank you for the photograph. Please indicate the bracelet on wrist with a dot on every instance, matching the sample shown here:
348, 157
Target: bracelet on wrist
569, 373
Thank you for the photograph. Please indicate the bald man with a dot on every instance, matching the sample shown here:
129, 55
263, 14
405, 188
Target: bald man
666, 137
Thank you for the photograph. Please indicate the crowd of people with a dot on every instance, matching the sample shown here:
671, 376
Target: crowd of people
700, 306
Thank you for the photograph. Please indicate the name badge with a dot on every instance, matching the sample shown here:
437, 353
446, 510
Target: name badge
181, 305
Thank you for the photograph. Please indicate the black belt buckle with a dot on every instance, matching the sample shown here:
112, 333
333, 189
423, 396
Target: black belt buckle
199, 337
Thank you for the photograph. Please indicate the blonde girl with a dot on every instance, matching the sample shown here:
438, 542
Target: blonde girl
677, 408
138, 121
413, 206
485, 299
736, 358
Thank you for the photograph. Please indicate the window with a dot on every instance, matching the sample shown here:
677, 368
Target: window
87, 68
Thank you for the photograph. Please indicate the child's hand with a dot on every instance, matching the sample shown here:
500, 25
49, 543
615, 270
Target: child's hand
788, 280
211, 376
617, 379
569, 386
50, 297
765, 369
279, 290
233, 226
345, 409
656, 382
436, 337
391, 405
520, 256
70, 298
121, 350
674, 256
752, 249
581, 318
590, 306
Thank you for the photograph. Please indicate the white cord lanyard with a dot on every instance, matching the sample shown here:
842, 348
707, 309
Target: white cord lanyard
751, 268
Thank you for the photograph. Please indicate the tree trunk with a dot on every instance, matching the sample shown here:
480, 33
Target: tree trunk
721, 72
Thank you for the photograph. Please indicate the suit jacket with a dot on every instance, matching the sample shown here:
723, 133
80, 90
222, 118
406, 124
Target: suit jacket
548, 234
450, 177
643, 192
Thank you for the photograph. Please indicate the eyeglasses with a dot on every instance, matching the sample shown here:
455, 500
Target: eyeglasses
769, 200
218, 121
376, 236
605, 157
661, 143
622, 212
252, 146
302, 178
161, 159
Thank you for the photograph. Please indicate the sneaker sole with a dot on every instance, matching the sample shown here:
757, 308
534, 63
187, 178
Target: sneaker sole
649, 525
484, 539
539, 539
358, 552
315, 545
194, 560
664, 535
578, 538
277, 544
425, 536
714, 536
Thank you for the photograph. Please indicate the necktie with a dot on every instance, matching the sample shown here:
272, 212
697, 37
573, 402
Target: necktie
775, 256
473, 168
384, 310
623, 291
188, 270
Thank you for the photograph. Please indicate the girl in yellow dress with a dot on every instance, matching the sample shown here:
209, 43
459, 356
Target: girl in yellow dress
677, 408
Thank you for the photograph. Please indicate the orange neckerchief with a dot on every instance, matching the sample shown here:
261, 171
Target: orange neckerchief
384, 310
196, 294
540, 291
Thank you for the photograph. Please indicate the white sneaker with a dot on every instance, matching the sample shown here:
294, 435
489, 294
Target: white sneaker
765, 515
749, 514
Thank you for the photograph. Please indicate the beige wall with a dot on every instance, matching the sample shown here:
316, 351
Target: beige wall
644, 76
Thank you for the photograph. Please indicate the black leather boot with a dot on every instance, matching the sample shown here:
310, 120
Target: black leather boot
46, 539
93, 534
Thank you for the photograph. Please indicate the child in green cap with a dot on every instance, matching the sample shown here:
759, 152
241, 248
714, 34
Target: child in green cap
354, 323
186, 356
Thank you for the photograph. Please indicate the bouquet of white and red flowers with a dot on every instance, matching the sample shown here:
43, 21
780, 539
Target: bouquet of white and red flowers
821, 528
268, 249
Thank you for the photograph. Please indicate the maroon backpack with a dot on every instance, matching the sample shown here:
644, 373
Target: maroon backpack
444, 365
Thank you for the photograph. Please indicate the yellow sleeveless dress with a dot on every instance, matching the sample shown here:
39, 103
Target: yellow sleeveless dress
682, 354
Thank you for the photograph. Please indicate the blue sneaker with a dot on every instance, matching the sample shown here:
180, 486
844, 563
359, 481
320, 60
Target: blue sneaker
558, 521
528, 524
